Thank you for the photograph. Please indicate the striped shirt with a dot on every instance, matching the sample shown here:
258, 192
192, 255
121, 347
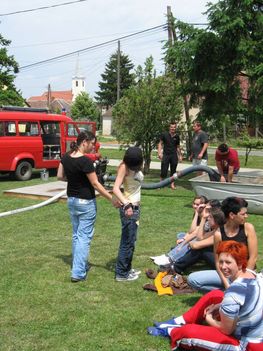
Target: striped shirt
243, 301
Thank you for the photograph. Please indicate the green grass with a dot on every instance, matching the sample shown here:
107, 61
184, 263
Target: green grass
42, 310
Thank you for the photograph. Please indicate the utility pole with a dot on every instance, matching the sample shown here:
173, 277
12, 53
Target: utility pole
186, 99
169, 28
49, 96
118, 71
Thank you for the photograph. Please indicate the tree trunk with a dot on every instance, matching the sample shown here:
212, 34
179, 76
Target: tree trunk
147, 150
188, 123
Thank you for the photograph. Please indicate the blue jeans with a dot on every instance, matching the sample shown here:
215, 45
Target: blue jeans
83, 216
178, 251
205, 281
193, 256
129, 227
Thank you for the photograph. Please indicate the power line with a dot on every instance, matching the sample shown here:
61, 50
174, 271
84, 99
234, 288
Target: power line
41, 8
163, 26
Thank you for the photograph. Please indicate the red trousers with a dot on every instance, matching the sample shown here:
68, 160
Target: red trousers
194, 336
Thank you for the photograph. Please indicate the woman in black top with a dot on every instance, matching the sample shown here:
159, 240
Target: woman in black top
78, 170
236, 228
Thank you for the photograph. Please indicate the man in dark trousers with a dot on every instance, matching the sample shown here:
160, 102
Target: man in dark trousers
227, 162
169, 151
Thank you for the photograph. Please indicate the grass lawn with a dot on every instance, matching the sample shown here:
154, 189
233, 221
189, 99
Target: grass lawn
42, 310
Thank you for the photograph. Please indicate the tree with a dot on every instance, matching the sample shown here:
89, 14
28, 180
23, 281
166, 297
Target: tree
84, 108
8, 68
212, 62
230, 50
146, 109
107, 95
249, 143
239, 27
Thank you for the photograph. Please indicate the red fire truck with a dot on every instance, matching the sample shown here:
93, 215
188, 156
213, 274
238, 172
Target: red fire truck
33, 138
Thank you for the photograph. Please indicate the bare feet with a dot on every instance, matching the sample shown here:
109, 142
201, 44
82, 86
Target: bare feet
173, 187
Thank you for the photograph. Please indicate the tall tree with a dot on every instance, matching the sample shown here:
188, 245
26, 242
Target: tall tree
146, 110
239, 28
107, 95
212, 61
8, 68
84, 108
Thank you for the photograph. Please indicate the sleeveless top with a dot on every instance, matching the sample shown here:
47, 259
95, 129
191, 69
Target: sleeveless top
132, 186
240, 237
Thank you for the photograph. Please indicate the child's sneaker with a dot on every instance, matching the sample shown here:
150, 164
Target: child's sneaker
129, 278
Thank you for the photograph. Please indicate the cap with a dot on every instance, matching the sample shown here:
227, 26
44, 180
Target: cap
133, 157
223, 148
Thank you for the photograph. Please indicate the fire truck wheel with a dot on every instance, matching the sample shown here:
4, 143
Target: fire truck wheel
23, 171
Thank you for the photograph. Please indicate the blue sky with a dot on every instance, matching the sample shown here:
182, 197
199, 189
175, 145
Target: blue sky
47, 33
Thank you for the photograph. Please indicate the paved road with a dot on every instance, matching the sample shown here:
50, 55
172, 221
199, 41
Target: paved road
157, 165
211, 150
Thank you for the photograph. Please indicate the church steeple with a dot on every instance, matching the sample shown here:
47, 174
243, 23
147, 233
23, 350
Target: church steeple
78, 82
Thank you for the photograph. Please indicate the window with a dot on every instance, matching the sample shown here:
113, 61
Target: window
28, 128
7, 129
77, 83
72, 131
2, 129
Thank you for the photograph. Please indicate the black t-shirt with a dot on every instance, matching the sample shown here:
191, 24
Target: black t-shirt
170, 143
76, 169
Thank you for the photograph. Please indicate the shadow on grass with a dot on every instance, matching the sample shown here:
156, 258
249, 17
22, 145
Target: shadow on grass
67, 259
190, 300
109, 266
166, 195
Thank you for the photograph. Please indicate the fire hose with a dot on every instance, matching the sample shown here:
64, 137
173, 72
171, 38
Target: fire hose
33, 207
213, 176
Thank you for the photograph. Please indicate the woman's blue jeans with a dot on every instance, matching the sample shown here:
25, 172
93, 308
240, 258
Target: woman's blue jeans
205, 281
83, 216
129, 227
179, 250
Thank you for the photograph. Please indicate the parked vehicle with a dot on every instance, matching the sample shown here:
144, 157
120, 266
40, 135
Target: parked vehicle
33, 138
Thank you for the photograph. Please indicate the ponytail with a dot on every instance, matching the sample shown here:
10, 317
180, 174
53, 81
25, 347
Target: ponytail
87, 135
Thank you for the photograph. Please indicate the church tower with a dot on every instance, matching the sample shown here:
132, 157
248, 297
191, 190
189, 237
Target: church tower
78, 82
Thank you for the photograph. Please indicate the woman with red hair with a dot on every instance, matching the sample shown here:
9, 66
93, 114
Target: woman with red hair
230, 320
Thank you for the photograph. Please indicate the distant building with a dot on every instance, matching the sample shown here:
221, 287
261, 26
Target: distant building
58, 101
106, 118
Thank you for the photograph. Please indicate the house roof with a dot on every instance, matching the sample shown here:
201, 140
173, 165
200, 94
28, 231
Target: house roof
62, 95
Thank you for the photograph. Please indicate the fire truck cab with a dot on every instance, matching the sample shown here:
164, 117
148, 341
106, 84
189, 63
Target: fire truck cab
33, 138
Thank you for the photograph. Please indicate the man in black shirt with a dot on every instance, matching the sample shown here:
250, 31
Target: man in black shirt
169, 151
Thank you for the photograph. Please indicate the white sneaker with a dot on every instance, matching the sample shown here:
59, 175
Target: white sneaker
162, 261
135, 271
156, 257
130, 278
